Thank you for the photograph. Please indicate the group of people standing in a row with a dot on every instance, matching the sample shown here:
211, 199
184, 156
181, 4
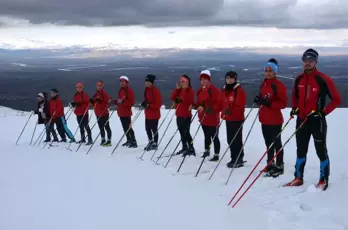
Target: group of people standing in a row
308, 103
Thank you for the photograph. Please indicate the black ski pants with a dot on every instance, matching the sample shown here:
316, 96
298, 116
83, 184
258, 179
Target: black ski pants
50, 130
126, 122
103, 124
62, 128
316, 127
184, 124
234, 130
270, 133
151, 127
83, 125
209, 132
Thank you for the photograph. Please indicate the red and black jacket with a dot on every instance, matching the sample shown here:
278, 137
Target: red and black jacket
101, 109
276, 93
56, 108
187, 97
127, 95
209, 98
233, 103
153, 96
82, 103
310, 91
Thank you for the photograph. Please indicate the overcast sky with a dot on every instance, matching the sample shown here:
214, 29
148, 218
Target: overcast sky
321, 15
280, 13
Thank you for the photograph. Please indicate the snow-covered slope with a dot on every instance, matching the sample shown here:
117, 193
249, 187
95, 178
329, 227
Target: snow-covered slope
60, 189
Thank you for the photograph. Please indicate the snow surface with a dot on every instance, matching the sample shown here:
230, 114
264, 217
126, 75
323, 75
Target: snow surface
60, 189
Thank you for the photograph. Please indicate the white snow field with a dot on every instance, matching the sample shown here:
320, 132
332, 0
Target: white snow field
60, 189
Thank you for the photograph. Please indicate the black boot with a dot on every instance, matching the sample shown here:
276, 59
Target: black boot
102, 142
148, 146
153, 146
190, 152
206, 153
127, 143
89, 142
278, 169
269, 170
133, 144
215, 157
181, 151
233, 163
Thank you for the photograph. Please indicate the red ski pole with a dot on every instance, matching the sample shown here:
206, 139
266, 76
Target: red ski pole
268, 163
257, 164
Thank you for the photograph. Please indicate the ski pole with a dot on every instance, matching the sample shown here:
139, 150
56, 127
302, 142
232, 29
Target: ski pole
99, 132
32, 136
245, 141
43, 130
235, 136
141, 157
79, 124
124, 134
187, 130
257, 164
31, 114
216, 133
165, 131
191, 141
269, 163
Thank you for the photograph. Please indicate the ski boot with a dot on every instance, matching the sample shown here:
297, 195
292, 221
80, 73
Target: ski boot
81, 141
295, 182
47, 140
63, 140
133, 144
206, 153
269, 169
89, 142
189, 152
181, 151
126, 144
277, 170
102, 143
107, 143
215, 157
233, 163
72, 140
323, 184
148, 146
153, 146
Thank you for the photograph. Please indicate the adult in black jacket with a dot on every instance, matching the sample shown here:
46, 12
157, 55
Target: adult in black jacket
43, 112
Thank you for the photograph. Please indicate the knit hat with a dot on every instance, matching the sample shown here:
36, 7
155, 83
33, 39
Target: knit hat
125, 78
79, 84
273, 64
185, 77
100, 83
205, 74
231, 74
310, 54
150, 78
54, 90
41, 95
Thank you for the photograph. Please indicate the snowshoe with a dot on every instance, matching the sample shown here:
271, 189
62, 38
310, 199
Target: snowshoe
133, 145
215, 158
181, 152
238, 165
294, 182
206, 154
322, 184
107, 144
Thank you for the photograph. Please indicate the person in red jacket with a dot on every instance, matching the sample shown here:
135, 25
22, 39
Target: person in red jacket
183, 97
272, 99
101, 102
309, 101
124, 102
233, 100
58, 118
208, 107
81, 105
152, 104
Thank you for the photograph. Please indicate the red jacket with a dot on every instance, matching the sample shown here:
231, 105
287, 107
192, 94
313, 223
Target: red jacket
127, 95
209, 98
56, 108
82, 103
187, 97
310, 91
153, 97
101, 109
275, 91
234, 102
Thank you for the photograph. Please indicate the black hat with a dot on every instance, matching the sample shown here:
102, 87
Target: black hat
231, 74
273, 60
310, 54
151, 78
54, 90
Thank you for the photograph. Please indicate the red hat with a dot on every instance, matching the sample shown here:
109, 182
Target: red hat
79, 84
205, 74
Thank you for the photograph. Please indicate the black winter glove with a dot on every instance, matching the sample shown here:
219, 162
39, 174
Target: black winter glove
73, 104
36, 111
98, 100
91, 101
145, 104
262, 101
294, 112
178, 100
227, 112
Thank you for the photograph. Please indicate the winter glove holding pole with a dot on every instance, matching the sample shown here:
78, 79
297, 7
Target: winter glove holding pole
145, 104
293, 112
262, 101
177, 100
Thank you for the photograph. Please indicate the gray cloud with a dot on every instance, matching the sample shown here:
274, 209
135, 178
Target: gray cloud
162, 13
